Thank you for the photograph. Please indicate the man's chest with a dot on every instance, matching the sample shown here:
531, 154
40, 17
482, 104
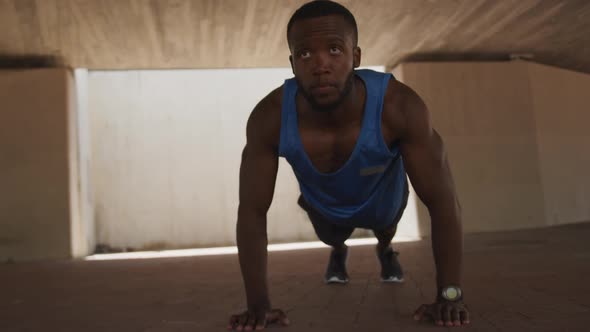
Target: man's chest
330, 149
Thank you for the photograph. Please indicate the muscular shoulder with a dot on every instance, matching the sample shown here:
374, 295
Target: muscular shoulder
264, 123
403, 109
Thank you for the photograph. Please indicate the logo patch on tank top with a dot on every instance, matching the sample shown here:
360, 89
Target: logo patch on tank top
373, 170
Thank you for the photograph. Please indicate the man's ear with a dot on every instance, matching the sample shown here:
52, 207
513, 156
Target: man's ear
291, 61
356, 57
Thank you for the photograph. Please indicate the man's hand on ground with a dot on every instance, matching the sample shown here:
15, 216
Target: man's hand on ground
257, 320
444, 313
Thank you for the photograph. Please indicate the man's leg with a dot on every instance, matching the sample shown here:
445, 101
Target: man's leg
384, 237
391, 270
334, 236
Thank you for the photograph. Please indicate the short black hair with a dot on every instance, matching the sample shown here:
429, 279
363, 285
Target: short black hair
319, 8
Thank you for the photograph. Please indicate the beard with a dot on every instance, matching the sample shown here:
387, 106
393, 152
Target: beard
319, 107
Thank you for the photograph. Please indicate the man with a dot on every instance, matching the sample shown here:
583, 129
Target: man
351, 136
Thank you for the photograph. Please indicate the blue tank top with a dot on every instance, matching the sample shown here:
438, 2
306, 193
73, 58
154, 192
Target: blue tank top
369, 190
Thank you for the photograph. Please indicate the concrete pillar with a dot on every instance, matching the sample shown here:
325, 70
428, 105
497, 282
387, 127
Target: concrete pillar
40, 213
484, 112
517, 138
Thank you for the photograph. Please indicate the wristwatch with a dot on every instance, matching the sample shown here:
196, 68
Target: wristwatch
451, 293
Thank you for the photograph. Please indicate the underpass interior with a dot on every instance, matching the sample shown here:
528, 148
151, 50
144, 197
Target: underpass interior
122, 126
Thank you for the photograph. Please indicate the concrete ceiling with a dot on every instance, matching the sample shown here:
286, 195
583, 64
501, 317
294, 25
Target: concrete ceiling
132, 34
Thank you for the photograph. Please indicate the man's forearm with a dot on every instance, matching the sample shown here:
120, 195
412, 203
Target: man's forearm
252, 242
447, 244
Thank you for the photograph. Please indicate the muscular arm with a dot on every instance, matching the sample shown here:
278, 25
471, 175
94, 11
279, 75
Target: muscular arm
257, 181
427, 166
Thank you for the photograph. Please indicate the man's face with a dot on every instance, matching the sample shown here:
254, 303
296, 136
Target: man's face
323, 57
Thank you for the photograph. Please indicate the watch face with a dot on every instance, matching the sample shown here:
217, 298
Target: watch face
451, 293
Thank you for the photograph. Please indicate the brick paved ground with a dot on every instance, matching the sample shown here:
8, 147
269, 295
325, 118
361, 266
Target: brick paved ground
514, 281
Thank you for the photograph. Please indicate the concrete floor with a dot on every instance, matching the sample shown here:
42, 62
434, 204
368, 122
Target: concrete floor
514, 281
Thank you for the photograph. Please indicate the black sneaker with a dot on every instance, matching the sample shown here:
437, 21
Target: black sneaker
336, 271
391, 270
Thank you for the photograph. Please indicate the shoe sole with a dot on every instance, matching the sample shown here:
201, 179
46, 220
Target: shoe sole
393, 280
335, 280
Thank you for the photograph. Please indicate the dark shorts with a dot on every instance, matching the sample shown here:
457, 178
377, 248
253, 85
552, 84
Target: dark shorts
333, 234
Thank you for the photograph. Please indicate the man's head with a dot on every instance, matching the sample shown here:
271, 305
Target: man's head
323, 37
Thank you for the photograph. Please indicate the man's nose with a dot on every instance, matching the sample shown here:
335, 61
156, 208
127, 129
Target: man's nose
321, 64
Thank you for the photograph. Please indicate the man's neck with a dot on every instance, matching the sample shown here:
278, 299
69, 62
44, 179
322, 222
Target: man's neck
350, 110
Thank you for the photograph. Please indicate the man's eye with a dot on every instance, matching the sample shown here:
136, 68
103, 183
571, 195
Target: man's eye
305, 54
335, 50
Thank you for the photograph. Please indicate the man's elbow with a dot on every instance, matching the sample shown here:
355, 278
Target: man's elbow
444, 209
252, 210
253, 218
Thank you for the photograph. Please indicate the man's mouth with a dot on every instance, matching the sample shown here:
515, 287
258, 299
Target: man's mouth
323, 88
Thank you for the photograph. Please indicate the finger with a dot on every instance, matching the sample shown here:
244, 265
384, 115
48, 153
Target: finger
261, 321
437, 315
242, 322
455, 317
420, 312
233, 321
464, 316
261, 324
251, 323
446, 315
279, 316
